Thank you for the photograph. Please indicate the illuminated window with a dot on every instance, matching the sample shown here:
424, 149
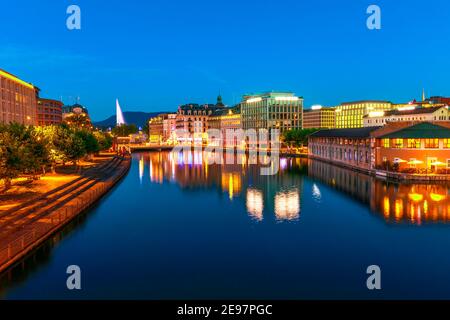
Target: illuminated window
432, 143
414, 143
447, 143
398, 143
386, 143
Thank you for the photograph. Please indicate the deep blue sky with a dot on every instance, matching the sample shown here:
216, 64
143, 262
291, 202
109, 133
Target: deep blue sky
154, 55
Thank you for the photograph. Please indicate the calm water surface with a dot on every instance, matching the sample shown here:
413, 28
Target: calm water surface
177, 228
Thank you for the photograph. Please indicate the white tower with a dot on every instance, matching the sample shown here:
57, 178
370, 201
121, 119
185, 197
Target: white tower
119, 115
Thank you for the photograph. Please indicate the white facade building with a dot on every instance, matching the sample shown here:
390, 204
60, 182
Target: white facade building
410, 113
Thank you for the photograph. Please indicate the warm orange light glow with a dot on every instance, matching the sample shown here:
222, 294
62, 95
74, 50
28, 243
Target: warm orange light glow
230, 187
386, 207
15, 79
416, 197
398, 209
437, 197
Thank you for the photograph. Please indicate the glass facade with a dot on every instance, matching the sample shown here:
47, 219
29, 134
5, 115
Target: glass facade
351, 114
274, 110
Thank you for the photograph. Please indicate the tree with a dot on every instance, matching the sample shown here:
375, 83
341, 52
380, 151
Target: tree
22, 150
104, 140
68, 146
78, 121
75, 149
297, 137
54, 137
10, 158
124, 130
90, 142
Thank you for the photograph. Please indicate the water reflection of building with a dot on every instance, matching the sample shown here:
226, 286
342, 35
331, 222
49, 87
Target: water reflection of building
356, 184
279, 195
255, 203
231, 183
413, 203
395, 202
287, 204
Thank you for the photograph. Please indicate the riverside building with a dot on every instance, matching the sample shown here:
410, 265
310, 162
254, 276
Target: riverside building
228, 121
413, 147
347, 147
319, 117
169, 127
49, 112
419, 148
156, 128
351, 114
407, 113
17, 100
192, 121
272, 110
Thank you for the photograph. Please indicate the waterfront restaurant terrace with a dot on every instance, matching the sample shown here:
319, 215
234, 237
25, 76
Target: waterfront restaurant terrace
420, 148
401, 150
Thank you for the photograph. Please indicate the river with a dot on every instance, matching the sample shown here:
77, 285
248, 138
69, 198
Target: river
176, 228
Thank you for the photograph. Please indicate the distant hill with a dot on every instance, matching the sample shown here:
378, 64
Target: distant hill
131, 117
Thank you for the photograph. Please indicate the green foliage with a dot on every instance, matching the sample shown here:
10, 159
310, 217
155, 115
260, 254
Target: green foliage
104, 140
124, 130
22, 150
78, 121
89, 141
56, 139
28, 150
146, 128
297, 137
75, 149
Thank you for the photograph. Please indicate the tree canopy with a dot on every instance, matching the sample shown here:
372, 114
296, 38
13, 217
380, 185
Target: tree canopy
297, 137
124, 130
29, 150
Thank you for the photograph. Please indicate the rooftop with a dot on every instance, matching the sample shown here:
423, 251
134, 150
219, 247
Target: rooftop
12, 77
319, 109
364, 101
423, 130
226, 111
408, 112
413, 111
270, 94
198, 107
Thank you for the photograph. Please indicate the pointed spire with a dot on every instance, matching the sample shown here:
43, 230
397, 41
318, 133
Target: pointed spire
423, 94
219, 100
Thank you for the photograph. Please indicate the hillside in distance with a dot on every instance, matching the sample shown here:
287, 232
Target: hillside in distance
131, 117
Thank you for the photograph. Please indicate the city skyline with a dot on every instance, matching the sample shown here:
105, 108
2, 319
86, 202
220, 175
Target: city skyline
155, 57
